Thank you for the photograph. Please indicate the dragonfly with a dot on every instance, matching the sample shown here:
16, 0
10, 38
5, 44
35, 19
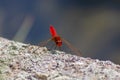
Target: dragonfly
58, 40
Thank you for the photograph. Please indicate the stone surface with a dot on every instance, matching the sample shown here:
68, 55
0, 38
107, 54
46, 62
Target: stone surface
20, 61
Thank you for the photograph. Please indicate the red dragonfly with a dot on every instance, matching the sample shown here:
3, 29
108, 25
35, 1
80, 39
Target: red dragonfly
59, 41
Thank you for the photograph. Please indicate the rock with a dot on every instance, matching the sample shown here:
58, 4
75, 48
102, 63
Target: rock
20, 61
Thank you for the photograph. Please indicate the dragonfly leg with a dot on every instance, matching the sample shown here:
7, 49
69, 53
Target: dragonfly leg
55, 47
59, 48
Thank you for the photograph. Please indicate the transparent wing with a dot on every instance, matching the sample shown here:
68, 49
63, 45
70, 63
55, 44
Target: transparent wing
42, 44
75, 50
66, 46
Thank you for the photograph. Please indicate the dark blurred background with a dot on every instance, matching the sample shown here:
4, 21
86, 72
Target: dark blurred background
93, 26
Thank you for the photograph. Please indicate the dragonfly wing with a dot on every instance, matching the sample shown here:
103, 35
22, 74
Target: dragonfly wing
42, 44
50, 44
77, 52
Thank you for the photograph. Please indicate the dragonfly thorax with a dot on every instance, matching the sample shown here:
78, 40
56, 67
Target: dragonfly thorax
57, 40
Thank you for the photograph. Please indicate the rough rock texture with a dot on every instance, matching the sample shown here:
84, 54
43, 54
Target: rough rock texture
20, 61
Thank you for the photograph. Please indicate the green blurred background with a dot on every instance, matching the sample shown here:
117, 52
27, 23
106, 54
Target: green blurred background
93, 26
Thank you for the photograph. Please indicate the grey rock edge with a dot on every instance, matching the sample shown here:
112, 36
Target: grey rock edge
20, 61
